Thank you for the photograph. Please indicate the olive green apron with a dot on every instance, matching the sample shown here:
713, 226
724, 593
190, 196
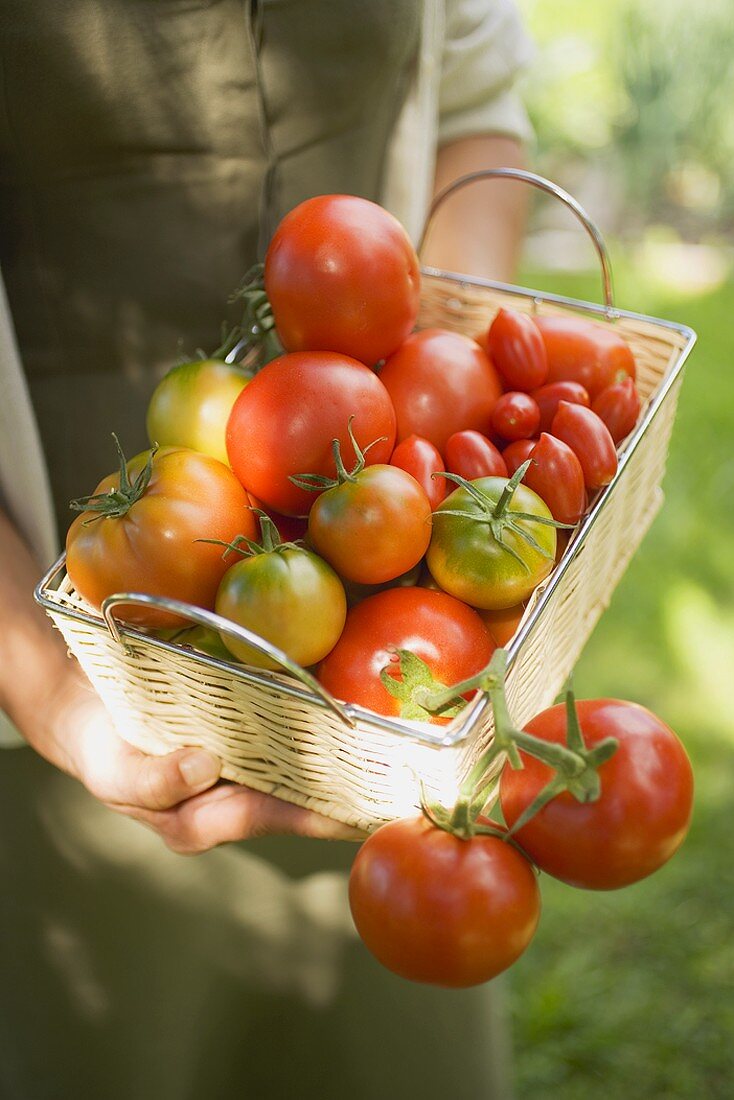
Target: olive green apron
147, 150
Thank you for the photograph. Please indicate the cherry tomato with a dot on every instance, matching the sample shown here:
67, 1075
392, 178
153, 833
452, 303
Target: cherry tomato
588, 437
420, 458
190, 406
555, 474
440, 382
373, 527
284, 421
151, 545
517, 350
472, 455
503, 624
585, 351
547, 398
641, 817
619, 407
516, 416
342, 275
469, 560
289, 597
442, 631
517, 453
433, 908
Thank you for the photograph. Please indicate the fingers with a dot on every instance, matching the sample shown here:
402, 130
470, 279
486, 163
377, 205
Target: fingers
230, 813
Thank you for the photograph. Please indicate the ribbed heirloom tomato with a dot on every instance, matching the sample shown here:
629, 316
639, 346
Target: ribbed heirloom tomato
284, 421
342, 275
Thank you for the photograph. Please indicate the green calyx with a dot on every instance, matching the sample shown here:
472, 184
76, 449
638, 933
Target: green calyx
257, 326
270, 541
116, 503
415, 680
575, 767
317, 483
498, 516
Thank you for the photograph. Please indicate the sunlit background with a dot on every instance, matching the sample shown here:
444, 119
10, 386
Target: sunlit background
633, 105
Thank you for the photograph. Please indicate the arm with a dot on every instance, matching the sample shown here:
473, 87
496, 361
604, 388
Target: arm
48, 698
478, 231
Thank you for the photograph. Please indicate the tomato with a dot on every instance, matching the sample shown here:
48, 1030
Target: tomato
555, 474
204, 641
151, 545
440, 382
342, 275
433, 908
517, 350
289, 597
517, 453
472, 455
641, 816
588, 437
547, 399
358, 592
372, 527
503, 624
619, 407
443, 632
470, 562
290, 528
421, 459
585, 351
516, 416
191, 405
284, 421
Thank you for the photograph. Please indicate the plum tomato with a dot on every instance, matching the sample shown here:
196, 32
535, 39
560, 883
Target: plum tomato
517, 350
437, 909
639, 820
517, 453
140, 532
342, 275
555, 474
440, 382
190, 406
588, 437
585, 351
619, 407
472, 455
547, 398
440, 630
419, 458
284, 421
483, 555
516, 416
372, 527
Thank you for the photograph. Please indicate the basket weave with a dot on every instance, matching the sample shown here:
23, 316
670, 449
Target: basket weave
275, 735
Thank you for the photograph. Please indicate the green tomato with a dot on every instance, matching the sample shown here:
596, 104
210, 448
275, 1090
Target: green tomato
190, 407
484, 556
204, 641
288, 596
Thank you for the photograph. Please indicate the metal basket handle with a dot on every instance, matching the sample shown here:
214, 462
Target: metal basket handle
223, 626
543, 185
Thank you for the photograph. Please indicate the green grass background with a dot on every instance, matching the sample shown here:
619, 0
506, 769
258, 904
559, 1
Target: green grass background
632, 993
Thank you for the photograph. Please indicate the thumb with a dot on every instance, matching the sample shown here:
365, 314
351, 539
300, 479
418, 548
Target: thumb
160, 782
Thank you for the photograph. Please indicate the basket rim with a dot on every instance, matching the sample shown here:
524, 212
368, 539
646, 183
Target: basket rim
462, 727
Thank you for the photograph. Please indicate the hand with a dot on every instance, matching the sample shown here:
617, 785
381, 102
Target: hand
178, 795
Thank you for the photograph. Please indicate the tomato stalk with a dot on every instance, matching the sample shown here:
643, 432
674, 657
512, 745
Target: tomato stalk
257, 326
498, 516
117, 502
270, 540
575, 767
317, 483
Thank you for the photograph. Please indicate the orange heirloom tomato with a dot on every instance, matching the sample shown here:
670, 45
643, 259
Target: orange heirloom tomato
139, 532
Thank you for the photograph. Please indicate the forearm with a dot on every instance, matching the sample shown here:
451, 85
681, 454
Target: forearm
479, 229
35, 671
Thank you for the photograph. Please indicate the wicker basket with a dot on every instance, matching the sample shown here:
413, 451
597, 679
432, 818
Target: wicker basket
282, 733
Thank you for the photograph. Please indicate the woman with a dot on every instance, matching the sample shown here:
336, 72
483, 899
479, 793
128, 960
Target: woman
147, 154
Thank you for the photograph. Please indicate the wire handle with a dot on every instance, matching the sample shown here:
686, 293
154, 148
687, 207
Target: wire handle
543, 185
222, 626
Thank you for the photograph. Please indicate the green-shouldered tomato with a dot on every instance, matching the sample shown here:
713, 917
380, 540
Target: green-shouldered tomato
190, 406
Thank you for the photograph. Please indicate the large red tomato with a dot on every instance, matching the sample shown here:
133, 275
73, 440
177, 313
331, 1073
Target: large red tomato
434, 908
441, 382
284, 421
445, 633
342, 275
584, 351
639, 820
150, 543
